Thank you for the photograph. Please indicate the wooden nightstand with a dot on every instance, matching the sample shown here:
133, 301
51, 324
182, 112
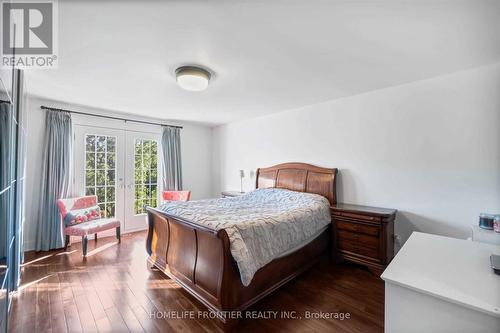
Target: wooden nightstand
228, 194
364, 235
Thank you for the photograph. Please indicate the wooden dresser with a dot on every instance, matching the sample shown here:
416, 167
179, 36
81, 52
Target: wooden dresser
363, 235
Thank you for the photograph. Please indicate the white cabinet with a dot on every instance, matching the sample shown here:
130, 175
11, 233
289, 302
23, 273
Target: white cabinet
441, 284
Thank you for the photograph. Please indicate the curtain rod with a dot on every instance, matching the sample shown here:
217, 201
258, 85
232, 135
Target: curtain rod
43, 107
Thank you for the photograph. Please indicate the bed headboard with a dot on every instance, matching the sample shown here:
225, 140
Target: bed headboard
300, 177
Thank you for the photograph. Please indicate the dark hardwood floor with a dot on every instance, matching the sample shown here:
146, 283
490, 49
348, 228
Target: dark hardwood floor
113, 290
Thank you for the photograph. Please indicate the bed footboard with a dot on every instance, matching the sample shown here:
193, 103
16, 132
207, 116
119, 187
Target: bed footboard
199, 259
191, 254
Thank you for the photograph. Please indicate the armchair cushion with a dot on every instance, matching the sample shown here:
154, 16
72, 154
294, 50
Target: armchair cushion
91, 227
79, 210
77, 216
66, 205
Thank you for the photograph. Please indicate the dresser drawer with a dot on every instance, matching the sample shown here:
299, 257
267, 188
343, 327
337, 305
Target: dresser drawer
358, 248
359, 217
357, 227
361, 239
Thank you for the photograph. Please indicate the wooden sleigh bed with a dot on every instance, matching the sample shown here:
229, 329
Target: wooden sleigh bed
200, 260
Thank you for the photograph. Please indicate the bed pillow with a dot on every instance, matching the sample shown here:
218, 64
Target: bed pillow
77, 216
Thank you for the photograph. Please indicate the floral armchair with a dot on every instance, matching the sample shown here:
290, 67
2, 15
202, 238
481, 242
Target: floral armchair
177, 195
82, 217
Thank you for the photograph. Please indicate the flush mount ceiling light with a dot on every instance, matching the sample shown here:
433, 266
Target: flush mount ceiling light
192, 78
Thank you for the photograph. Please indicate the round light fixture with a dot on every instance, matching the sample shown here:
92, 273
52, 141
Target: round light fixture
192, 78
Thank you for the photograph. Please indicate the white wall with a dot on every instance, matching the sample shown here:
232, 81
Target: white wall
430, 149
196, 141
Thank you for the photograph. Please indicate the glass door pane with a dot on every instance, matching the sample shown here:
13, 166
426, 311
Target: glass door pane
141, 178
99, 168
145, 174
100, 171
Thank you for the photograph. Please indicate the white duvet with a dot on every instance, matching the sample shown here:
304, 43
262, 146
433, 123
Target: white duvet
261, 225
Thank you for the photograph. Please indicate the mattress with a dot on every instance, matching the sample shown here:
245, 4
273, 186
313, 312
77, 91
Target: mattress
262, 225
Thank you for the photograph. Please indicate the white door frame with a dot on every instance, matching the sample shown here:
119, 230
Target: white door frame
135, 222
80, 132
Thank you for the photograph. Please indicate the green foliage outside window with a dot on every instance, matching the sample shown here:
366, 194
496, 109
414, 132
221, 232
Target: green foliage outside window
146, 174
100, 172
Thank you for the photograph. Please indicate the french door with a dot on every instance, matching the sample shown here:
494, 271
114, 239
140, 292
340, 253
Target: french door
141, 177
121, 168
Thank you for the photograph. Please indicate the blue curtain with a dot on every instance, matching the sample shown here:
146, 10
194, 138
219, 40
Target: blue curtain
172, 164
55, 179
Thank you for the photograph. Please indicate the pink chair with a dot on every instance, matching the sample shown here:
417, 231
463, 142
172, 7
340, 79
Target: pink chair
81, 217
177, 195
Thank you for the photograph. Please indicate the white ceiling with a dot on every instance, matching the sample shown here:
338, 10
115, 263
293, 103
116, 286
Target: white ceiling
267, 56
